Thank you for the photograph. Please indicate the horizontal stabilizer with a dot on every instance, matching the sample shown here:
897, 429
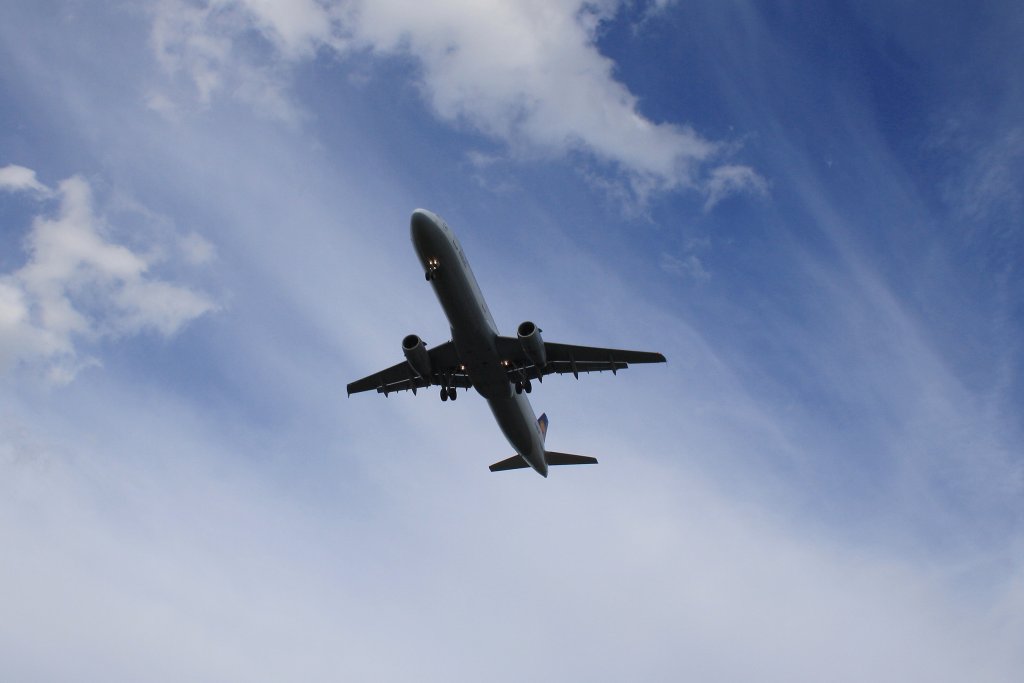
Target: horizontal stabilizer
517, 462
555, 458
514, 463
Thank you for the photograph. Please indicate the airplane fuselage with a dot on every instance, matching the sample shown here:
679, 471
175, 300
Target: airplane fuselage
474, 334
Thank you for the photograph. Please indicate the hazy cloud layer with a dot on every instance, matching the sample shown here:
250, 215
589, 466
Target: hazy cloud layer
189, 551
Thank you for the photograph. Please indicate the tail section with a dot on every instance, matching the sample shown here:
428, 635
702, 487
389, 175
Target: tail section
551, 457
517, 462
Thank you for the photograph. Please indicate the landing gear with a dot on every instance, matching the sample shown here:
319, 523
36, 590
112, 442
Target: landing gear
524, 385
528, 386
448, 393
444, 393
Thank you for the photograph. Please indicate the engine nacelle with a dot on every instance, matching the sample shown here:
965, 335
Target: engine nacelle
415, 351
533, 345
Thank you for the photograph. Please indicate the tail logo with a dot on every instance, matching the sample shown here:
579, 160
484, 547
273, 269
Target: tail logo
542, 424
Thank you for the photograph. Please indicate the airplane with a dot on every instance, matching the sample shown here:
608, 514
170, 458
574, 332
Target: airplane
501, 369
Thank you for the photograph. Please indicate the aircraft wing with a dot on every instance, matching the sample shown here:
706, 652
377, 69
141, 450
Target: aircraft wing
401, 377
570, 358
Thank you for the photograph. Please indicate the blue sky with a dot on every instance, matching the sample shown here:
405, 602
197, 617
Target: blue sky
813, 211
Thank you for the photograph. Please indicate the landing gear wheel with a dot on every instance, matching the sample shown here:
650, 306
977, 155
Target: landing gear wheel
452, 394
427, 276
519, 387
528, 386
444, 393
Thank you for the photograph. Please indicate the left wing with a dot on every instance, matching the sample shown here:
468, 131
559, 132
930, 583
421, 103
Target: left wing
443, 362
569, 358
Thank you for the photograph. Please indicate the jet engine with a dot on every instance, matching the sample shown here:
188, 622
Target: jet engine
533, 345
415, 351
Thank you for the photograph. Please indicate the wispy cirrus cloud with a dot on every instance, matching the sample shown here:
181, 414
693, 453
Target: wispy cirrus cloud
730, 179
78, 286
687, 266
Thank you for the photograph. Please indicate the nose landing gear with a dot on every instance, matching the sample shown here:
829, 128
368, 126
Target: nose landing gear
433, 265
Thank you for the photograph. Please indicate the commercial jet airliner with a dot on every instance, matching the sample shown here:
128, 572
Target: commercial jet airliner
501, 369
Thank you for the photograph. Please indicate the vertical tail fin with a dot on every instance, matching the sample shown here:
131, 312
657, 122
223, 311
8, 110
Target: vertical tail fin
542, 422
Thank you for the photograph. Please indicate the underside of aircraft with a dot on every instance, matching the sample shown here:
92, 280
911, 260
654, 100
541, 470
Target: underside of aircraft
501, 369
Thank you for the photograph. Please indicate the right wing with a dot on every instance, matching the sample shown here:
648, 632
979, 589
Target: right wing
401, 377
566, 358
570, 358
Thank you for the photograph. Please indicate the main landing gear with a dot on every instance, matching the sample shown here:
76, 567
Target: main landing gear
524, 385
448, 393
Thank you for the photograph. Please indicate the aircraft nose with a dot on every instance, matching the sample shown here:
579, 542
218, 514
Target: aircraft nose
422, 224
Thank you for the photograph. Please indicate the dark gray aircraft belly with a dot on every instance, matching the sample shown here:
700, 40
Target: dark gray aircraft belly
478, 354
472, 333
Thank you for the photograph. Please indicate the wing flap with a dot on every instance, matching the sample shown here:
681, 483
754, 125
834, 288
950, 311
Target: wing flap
561, 367
595, 354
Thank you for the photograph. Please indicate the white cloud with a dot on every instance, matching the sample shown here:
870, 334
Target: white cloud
15, 178
480, 159
198, 42
79, 287
188, 38
526, 73
731, 179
